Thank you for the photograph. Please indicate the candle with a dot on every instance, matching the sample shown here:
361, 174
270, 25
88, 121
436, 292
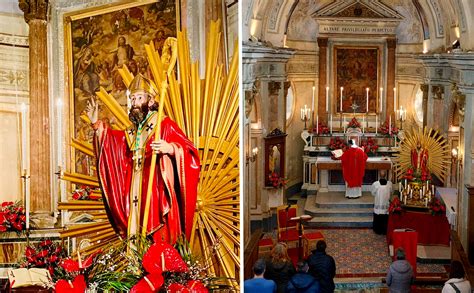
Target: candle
390, 125
59, 107
312, 101
381, 93
406, 182
331, 124
432, 190
367, 100
340, 106
400, 186
411, 193
394, 99
405, 200
327, 99
317, 124
23, 137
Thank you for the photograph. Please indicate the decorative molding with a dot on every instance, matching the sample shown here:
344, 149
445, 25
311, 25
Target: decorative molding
368, 7
437, 91
462, 16
274, 13
438, 19
12, 40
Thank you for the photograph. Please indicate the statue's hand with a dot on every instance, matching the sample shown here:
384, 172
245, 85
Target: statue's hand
92, 111
162, 147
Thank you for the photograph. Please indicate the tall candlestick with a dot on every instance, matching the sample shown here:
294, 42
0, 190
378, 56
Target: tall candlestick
344, 124
312, 101
376, 123
381, 94
390, 125
367, 100
363, 124
327, 99
317, 124
394, 99
331, 124
24, 163
340, 107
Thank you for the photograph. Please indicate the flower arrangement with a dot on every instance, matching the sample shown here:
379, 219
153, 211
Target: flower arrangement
395, 206
337, 143
276, 180
45, 254
437, 207
321, 129
353, 123
386, 129
12, 217
369, 146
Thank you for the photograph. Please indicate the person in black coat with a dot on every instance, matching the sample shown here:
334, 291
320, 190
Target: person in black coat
323, 267
302, 282
279, 267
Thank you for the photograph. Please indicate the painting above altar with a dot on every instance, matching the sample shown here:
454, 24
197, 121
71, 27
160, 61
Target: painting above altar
356, 76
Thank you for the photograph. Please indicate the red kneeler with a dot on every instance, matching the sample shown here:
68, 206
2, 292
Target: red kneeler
408, 240
265, 247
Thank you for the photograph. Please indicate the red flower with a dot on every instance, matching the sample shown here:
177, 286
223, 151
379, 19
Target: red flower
53, 258
149, 283
162, 251
71, 266
47, 242
43, 253
78, 285
17, 226
7, 203
3, 228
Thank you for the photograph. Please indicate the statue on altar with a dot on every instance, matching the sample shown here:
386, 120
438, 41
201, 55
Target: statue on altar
419, 160
123, 166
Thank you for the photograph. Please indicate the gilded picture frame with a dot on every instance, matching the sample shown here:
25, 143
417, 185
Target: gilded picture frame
355, 70
98, 42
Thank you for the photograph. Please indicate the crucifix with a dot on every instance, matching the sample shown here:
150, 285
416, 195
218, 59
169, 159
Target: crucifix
354, 107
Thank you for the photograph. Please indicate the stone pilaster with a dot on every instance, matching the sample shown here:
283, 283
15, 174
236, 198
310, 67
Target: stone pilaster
391, 46
35, 13
323, 48
425, 89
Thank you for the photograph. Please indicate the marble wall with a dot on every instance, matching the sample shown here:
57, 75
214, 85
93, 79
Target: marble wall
13, 92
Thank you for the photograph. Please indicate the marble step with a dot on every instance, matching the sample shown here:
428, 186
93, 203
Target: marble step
340, 212
345, 205
354, 222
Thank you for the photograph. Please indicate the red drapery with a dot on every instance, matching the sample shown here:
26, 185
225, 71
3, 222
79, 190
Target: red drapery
408, 241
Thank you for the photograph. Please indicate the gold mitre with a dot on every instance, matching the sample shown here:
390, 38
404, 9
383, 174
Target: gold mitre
141, 83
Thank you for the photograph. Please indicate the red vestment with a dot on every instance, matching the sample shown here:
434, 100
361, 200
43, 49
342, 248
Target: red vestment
174, 190
353, 166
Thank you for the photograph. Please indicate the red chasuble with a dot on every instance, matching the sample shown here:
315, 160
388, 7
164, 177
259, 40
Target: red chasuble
353, 166
124, 173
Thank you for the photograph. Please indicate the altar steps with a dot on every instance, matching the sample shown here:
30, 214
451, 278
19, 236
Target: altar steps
334, 210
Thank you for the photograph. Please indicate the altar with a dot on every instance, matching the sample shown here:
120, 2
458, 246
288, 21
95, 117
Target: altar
318, 170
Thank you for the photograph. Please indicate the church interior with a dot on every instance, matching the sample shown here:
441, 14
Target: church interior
396, 78
94, 195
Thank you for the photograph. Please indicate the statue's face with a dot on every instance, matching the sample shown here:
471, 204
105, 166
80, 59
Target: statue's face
418, 145
139, 107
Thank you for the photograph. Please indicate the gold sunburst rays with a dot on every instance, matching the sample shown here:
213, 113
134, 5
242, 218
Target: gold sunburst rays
207, 111
438, 152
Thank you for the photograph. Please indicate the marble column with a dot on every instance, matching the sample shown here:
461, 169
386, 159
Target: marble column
389, 94
35, 14
323, 82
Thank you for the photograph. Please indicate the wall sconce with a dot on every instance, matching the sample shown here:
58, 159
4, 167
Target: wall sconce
305, 115
252, 157
401, 116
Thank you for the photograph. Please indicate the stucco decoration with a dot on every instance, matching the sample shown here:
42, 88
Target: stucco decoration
302, 25
436, 10
409, 30
274, 13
